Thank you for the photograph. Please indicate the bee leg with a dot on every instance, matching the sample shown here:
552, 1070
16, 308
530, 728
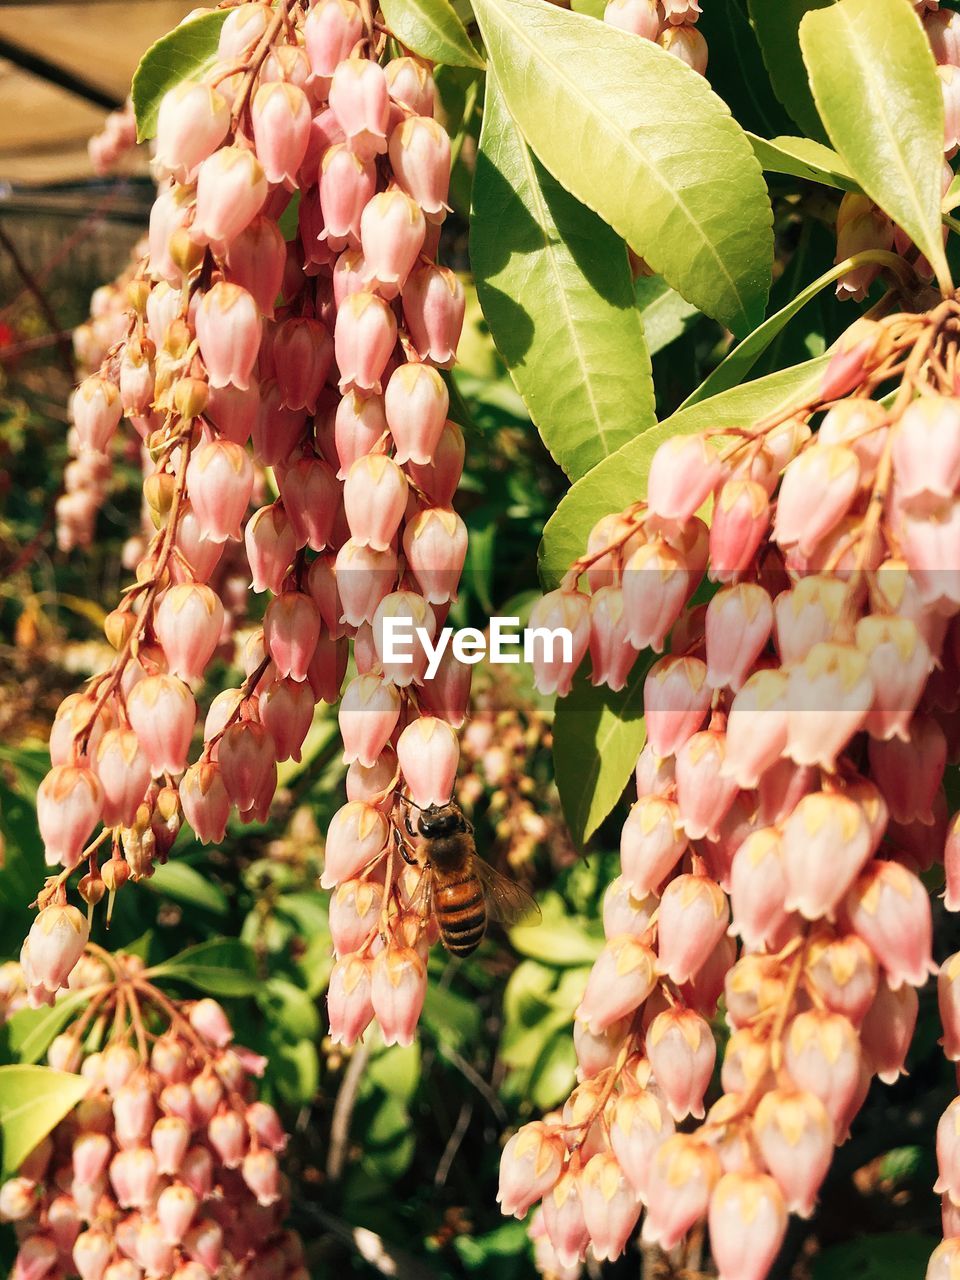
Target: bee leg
403, 847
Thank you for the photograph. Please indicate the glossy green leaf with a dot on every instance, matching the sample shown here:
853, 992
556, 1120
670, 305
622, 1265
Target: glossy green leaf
621, 478
181, 882
636, 135
666, 316
186, 51
220, 967
30, 1032
597, 737
875, 84
32, 1101
432, 29
556, 291
735, 368
803, 158
777, 23
557, 938
555, 1073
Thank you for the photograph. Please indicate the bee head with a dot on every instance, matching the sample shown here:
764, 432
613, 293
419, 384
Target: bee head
440, 820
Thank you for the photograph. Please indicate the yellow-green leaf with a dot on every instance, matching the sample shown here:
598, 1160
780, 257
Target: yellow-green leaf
32, 1101
186, 51
432, 29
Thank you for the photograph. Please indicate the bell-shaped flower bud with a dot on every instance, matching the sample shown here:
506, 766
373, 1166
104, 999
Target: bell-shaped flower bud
909, 773
357, 835
96, 410
563, 1219
303, 356
704, 795
795, 1137
281, 130
349, 1003
434, 303
651, 844
392, 231
428, 754
192, 122
56, 941
169, 1139
435, 545
639, 17
438, 480
817, 490
364, 578
860, 225
398, 987
331, 30
676, 697
134, 1178
748, 1221
124, 773
825, 845
758, 887
69, 806
271, 544
683, 473
416, 403
756, 728
680, 1182
188, 623
227, 1134
247, 756
626, 912
286, 712
360, 100
822, 1055
530, 1165
559, 633
694, 915
364, 337
396, 644
926, 452
887, 1030
420, 158
162, 714
256, 260
639, 1126
360, 427
610, 1206
374, 499
354, 915
598, 1051
948, 996
948, 1153
369, 711
220, 482
231, 190
828, 697
229, 329
739, 620
446, 694
682, 1052
844, 974
622, 977
206, 804
889, 909
261, 1173
657, 582
741, 517
291, 631
898, 661
347, 185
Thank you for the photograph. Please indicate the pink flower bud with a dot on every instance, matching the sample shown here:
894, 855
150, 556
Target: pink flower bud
211, 1023
758, 887
612, 656
220, 482
206, 804
247, 758
926, 456
347, 185
898, 661
704, 795
625, 912
364, 578
374, 499
227, 1134
188, 624
815, 494
822, 1055
860, 225
420, 158
739, 620
360, 428
948, 1152
944, 1262
530, 1165
828, 697
124, 773
170, 1138
398, 987
651, 844
657, 582
395, 643
416, 403
889, 908
639, 1127
446, 694
693, 917
748, 1222
559, 629
286, 712
683, 473
681, 1178
756, 728
681, 1050
228, 331
795, 1137
887, 1030
330, 32
357, 835
825, 844
133, 1176
281, 130
349, 1003
231, 189
90, 1155
364, 338
844, 974
610, 1206
303, 352
36, 1258
96, 409
256, 260
909, 773
639, 17
439, 479
271, 544
361, 103
201, 556
435, 545
948, 996
741, 516
133, 1111
368, 716
176, 1208
162, 714
621, 979
192, 122
433, 308
291, 631
354, 914
563, 1220
676, 697
73, 719
392, 230
69, 806
261, 1173
428, 754
92, 1251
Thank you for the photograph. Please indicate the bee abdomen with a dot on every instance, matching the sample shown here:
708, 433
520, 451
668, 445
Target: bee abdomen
461, 916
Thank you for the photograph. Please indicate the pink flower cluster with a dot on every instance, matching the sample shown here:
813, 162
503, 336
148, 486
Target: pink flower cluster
319, 358
168, 1168
115, 140
789, 797
670, 23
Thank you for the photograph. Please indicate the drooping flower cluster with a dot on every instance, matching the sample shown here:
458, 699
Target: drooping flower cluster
115, 140
789, 796
862, 225
319, 358
672, 24
168, 1167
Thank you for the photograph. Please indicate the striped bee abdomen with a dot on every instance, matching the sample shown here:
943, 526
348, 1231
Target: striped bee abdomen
461, 912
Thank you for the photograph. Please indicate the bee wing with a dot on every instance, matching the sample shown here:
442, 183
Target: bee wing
506, 900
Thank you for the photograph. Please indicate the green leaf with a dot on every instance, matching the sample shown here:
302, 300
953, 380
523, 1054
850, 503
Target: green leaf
32, 1101
432, 29
555, 1073
289, 1008
952, 198
903, 1256
220, 967
803, 158
639, 137
30, 1032
777, 29
186, 51
737, 72
874, 80
737, 365
178, 880
597, 737
558, 938
621, 478
666, 316
556, 291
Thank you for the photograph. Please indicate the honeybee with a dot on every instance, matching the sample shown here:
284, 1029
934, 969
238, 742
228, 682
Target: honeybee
463, 890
